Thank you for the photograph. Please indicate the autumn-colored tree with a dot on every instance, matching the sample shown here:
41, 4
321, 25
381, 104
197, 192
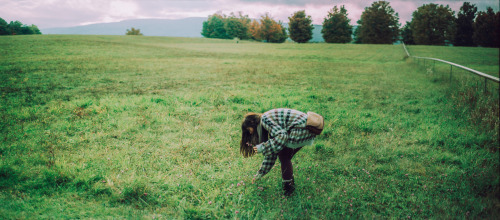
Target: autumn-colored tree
254, 30
465, 25
336, 27
213, 27
300, 27
268, 30
134, 31
433, 25
237, 26
487, 28
378, 24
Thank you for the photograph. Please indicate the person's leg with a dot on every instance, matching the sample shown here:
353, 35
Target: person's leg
285, 157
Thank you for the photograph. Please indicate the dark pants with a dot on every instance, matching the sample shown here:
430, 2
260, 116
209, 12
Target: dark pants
286, 156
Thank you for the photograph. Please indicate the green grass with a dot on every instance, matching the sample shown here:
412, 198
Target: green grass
149, 127
481, 59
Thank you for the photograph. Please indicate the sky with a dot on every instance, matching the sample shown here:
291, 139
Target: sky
68, 13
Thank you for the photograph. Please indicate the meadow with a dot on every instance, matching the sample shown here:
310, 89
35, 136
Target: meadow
149, 127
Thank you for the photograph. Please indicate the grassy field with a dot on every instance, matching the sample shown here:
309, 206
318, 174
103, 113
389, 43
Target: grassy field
149, 127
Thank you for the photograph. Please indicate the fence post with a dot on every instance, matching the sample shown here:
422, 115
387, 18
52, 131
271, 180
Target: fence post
451, 70
485, 85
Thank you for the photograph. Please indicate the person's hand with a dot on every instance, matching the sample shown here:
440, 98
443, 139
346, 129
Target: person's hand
254, 147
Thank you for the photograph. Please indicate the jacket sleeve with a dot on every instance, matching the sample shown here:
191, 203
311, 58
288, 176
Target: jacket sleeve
278, 141
266, 166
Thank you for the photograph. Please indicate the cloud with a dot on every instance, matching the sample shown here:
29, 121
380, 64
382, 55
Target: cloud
64, 13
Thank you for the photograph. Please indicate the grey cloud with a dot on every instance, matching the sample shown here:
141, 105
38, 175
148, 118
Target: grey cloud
62, 13
302, 2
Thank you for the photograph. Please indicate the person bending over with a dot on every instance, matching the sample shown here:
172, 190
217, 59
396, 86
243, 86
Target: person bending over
277, 133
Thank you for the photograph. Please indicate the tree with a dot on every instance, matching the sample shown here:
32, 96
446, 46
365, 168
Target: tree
4, 27
407, 34
378, 24
214, 27
34, 29
254, 30
465, 25
134, 31
15, 28
269, 30
433, 25
336, 27
300, 27
357, 35
486, 28
237, 26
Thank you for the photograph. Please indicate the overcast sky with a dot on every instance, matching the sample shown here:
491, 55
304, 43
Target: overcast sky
65, 13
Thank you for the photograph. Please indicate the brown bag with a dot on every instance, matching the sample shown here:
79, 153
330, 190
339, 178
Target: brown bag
315, 123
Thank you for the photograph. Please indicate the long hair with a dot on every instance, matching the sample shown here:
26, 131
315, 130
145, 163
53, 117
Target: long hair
248, 141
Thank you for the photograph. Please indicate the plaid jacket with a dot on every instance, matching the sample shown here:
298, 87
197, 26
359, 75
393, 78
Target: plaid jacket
286, 129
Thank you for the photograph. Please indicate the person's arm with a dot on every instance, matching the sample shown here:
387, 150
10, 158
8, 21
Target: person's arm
275, 144
266, 166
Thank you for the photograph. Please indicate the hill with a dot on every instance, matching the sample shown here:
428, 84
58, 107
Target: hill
188, 27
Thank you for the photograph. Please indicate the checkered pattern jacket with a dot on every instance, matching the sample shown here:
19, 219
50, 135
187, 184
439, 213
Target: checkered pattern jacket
286, 129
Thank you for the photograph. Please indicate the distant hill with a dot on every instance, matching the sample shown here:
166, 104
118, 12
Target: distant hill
188, 27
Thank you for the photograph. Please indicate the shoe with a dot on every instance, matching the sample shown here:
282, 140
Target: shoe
289, 187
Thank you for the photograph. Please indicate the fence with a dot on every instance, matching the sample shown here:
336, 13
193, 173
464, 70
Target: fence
481, 74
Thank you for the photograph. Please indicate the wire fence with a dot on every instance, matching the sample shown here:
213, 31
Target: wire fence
478, 73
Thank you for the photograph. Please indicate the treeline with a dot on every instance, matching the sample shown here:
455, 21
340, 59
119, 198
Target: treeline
434, 24
17, 28
244, 28
431, 24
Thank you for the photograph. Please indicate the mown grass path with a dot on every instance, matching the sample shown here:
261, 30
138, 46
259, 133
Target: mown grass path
124, 126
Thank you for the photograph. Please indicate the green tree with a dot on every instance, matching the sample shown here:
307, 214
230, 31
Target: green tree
487, 28
237, 26
26, 30
465, 25
336, 27
134, 31
34, 29
4, 27
16, 28
214, 27
407, 34
378, 24
300, 27
433, 25
357, 35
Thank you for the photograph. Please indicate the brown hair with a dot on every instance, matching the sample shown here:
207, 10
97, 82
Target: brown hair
248, 141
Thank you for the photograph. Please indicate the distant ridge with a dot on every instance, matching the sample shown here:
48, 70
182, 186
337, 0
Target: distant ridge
187, 27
